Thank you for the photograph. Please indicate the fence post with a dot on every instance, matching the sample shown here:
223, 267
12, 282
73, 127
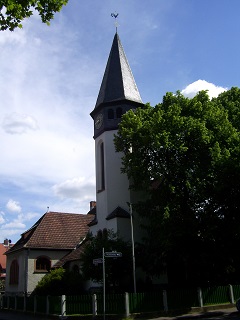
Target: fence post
47, 305
231, 294
94, 304
200, 297
127, 304
15, 303
24, 303
63, 305
165, 303
35, 305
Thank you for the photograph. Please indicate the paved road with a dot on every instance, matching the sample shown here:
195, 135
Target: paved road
223, 314
10, 315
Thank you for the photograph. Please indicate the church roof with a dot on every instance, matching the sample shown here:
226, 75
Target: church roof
55, 230
75, 254
118, 213
118, 82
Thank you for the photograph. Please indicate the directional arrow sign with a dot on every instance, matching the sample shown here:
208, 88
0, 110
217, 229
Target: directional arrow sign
97, 261
113, 254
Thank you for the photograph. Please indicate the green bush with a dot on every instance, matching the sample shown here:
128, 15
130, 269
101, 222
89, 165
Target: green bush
60, 281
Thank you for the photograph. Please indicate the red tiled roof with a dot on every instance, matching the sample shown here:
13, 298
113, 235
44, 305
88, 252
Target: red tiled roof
3, 258
55, 230
72, 256
3, 249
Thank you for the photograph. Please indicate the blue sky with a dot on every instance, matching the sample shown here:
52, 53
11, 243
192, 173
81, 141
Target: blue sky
51, 75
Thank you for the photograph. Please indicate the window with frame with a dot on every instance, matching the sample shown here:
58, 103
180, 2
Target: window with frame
76, 269
102, 177
14, 272
42, 264
110, 114
119, 112
100, 170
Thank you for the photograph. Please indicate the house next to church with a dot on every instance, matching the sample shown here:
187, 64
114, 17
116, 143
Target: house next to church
52, 237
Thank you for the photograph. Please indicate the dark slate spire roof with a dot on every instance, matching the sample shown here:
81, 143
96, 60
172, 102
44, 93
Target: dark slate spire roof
118, 82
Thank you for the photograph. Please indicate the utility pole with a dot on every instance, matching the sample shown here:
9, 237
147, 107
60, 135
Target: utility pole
133, 249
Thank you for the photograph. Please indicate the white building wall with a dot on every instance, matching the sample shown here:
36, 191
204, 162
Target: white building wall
35, 277
116, 192
28, 278
20, 287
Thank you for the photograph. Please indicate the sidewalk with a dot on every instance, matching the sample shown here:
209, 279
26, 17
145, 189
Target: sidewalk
197, 313
204, 313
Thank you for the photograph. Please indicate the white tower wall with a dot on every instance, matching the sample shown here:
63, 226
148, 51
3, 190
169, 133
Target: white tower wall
116, 192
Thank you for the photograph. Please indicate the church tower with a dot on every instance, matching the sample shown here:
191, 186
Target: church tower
118, 94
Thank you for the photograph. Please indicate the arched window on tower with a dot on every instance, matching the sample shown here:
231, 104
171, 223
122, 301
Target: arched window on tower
101, 169
110, 114
102, 172
119, 112
14, 272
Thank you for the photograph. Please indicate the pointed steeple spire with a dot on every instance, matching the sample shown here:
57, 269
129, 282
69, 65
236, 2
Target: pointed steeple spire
118, 82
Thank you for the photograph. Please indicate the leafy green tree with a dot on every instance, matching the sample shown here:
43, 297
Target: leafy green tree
184, 154
60, 281
13, 12
118, 271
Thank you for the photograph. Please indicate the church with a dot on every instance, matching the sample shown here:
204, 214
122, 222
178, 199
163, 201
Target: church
118, 94
56, 239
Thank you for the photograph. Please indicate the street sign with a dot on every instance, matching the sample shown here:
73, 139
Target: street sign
97, 261
113, 254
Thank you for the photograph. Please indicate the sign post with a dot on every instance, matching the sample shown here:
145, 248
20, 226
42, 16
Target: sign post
111, 254
104, 287
97, 261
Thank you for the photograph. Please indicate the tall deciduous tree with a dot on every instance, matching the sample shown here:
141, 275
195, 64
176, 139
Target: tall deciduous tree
13, 12
184, 153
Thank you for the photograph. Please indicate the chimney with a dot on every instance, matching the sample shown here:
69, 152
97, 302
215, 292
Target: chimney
92, 204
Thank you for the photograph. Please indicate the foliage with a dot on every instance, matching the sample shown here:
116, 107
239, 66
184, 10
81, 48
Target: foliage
117, 270
184, 153
60, 281
13, 12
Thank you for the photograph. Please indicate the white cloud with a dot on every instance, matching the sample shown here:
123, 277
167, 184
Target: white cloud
11, 233
2, 220
14, 225
30, 215
16, 123
13, 38
76, 188
13, 206
192, 89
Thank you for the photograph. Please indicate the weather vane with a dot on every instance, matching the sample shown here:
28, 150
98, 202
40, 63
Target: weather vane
115, 15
